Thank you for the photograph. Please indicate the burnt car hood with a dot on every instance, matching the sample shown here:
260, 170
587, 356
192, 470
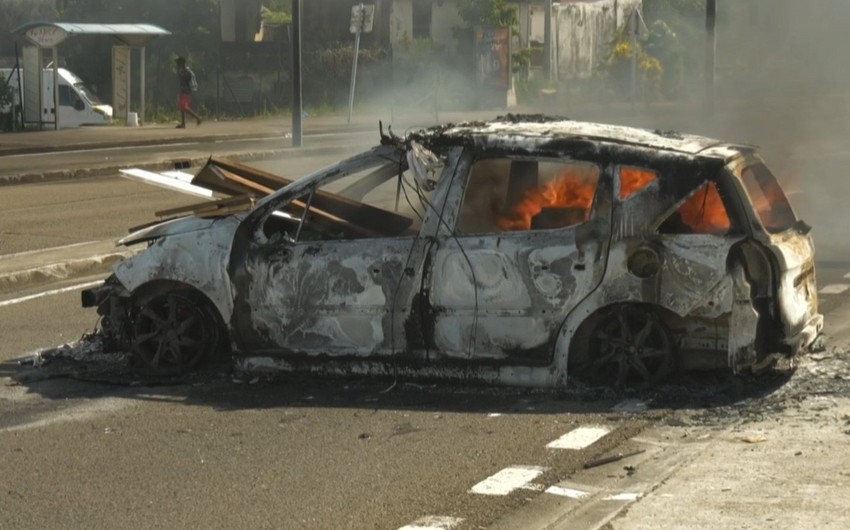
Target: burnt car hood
168, 228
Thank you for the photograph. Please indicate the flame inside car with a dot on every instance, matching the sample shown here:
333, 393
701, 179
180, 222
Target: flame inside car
705, 213
571, 192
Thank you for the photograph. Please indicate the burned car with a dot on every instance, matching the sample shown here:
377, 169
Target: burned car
520, 251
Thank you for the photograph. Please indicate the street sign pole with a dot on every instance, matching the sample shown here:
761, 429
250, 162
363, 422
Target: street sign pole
362, 20
358, 23
297, 107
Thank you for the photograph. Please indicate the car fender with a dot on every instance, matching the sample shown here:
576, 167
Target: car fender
196, 258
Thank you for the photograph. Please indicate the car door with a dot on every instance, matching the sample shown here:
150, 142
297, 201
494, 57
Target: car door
523, 241
337, 281
672, 235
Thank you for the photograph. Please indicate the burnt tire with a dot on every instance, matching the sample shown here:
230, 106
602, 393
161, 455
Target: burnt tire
629, 346
173, 332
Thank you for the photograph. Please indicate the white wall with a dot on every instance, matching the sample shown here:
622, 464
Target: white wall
401, 21
583, 33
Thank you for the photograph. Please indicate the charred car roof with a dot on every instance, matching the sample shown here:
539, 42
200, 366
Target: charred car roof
557, 128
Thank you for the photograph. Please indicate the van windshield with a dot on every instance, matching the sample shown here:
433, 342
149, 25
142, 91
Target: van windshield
772, 206
88, 94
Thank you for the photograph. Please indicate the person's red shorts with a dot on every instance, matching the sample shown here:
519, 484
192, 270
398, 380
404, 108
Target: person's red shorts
185, 101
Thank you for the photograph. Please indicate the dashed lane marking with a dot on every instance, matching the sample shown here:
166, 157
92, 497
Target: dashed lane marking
580, 437
835, 288
50, 293
627, 497
433, 522
566, 492
508, 480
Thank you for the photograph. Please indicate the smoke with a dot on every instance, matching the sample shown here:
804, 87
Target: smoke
782, 83
784, 86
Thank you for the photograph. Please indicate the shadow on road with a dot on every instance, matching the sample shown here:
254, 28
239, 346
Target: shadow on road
219, 388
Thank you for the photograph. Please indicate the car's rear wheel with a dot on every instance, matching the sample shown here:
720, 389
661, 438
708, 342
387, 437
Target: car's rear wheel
173, 332
629, 346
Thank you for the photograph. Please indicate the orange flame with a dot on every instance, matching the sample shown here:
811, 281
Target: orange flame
704, 212
633, 179
572, 189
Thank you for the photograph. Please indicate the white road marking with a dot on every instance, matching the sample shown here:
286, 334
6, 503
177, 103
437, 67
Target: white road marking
835, 288
508, 480
847, 276
567, 492
629, 497
579, 438
50, 293
433, 522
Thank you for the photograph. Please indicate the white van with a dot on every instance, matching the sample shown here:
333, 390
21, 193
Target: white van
77, 104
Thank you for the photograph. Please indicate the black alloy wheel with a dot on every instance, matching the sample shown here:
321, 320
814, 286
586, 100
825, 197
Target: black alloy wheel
630, 347
172, 333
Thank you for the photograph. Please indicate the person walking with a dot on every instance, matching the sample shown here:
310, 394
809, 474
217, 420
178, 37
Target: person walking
188, 84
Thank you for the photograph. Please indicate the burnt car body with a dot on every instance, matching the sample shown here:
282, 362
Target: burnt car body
516, 251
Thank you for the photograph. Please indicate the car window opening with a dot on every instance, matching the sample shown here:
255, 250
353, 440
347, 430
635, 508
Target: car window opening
635, 179
703, 213
330, 213
505, 195
770, 202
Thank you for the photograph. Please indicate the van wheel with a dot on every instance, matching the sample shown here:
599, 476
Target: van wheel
630, 346
173, 332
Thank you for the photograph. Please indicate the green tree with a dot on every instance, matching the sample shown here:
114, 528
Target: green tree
17, 12
676, 39
497, 13
5, 104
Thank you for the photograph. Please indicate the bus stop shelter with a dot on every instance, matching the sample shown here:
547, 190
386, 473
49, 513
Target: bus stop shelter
41, 36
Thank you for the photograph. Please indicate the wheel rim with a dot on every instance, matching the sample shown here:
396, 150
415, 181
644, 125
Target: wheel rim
631, 348
171, 334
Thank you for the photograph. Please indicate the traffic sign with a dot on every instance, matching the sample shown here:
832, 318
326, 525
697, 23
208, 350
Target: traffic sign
362, 16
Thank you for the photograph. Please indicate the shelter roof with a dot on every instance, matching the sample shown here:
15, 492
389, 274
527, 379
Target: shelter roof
56, 32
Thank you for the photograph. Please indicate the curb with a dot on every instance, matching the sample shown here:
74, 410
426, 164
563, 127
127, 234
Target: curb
47, 273
142, 142
112, 170
284, 132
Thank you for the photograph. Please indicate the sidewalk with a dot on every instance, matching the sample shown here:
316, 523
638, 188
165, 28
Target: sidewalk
784, 468
777, 461
211, 130
26, 270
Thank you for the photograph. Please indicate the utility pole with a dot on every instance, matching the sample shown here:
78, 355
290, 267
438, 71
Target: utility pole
297, 104
710, 53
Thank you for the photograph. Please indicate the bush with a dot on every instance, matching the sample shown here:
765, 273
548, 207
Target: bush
5, 104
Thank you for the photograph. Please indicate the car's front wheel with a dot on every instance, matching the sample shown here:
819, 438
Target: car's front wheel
173, 332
